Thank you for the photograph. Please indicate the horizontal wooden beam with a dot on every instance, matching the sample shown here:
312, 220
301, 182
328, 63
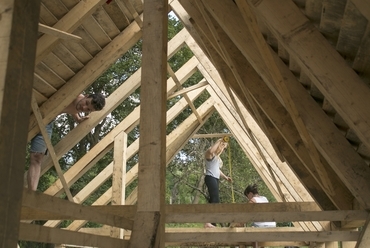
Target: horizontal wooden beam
232, 230
61, 207
244, 217
211, 135
242, 207
129, 211
37, 233
105, 231
199, 213
239, 244
223, 234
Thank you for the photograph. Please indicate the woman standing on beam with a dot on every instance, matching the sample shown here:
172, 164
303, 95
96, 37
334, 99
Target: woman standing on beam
213, 172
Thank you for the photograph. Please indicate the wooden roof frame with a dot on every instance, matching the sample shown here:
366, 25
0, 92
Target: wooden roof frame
300, 153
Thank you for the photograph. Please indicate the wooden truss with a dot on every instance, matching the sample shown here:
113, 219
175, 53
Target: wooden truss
321, 182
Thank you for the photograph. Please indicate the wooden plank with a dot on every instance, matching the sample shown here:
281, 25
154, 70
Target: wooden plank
313, 10
125, 4
202, 83
58, 33
36, 112
212, 135
18, 25
331, 18
88, 42
49, 76
119, 169
68, 23
244, 217
119, 176
149, 222
75, 211
362, 63
118, 15
46, 16
238, 244
353, 27
213, 235
43, 234
39, 97
172, 211
186, 230
56, 7
42, 86
105, 22
92, 27
78, 51
68, 58
240, 207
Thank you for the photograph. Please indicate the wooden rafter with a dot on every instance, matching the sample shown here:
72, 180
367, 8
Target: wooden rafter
58, 33
326, 61
36, 112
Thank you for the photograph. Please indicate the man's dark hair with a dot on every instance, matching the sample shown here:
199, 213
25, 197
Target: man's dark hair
251, 188
97, 101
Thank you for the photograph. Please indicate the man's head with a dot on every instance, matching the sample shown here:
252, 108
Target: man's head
251, 190
97, 101
91, 103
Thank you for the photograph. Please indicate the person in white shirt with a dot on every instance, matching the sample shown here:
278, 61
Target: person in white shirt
213, 172
251, 192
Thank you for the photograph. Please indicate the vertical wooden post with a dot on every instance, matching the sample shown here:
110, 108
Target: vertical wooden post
349, 244
18, 24
119, 176
331, 245
149, 223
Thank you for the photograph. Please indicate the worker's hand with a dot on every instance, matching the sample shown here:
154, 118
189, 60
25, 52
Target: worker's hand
222, 143
229, 179
82, 118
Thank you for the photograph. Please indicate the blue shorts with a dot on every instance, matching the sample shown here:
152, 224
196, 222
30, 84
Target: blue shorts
38, 144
